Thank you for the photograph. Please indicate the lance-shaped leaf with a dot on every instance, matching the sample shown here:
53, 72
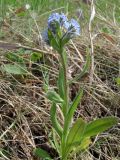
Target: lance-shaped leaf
72, 110
74, 105
53, 40
65, 39
54, 120
76, 132
56, 141
42, 154
97, 126
54, 97
75, 135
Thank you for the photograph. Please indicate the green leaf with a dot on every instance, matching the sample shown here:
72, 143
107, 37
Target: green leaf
53, 40
42, 154
56, 143
78, 147
97, 126
75, 135
74, 105
54, 97
72, 110
36, 56
65, 40
14, 69
76, 132
70, 114
85, 142
54, 120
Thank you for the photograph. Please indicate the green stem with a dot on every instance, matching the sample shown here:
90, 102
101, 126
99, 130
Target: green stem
66, 99
66, 96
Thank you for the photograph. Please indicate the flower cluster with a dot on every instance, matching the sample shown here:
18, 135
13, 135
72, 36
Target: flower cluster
69, 29
73, 27
56, 18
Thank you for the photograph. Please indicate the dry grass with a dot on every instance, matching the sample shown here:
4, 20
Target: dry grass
24, 110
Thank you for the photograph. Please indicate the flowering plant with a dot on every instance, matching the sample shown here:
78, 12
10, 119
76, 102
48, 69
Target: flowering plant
68, 138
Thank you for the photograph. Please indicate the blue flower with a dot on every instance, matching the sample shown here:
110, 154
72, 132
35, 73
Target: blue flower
56, 18
60, 28
63, 19
72, 27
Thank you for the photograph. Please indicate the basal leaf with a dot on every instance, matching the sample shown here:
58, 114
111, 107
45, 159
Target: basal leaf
42, 154
75, 135
78, 147
56, 143
76, 132
97, 126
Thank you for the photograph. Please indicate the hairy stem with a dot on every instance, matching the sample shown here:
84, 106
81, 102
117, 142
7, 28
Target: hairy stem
66, 96
66, 99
